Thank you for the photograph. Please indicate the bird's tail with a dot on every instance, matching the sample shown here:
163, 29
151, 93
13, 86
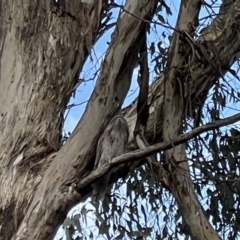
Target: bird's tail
100, 188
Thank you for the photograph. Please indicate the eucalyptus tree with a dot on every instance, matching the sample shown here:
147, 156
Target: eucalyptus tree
44, 45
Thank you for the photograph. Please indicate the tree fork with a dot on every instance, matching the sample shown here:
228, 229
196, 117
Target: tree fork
202, 72
56, 192
68, 157
43, 46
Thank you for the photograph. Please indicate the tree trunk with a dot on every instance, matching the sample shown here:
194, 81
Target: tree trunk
213, 58
41, 177
173, 93
179, 179
43, 46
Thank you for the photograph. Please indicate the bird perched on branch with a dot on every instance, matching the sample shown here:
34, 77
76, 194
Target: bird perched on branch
112, 143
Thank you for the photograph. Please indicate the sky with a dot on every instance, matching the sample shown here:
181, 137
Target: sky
92, 65
85, 89
94, 62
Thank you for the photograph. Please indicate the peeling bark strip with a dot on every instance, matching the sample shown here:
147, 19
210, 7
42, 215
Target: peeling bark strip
56, 191
203, 72
179, 181
42, 46
42, 49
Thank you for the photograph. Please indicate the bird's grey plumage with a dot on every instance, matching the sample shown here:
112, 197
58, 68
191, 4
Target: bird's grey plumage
112, 143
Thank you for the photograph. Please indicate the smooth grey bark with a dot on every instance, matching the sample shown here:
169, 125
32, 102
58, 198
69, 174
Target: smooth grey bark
175, 91
179, 179
213, 58
42, 48
55, 193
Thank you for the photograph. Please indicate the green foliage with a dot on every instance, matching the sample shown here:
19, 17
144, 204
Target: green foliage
135, 209
215, 166
138, 207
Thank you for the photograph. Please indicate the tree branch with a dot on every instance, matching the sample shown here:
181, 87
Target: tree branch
178, 75
75, 158
142, 153
44, 45
203, 74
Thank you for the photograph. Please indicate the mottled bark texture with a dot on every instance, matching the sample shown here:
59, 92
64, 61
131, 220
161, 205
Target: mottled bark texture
42, 49
181, 90
215, 51
43, 46
179, 180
